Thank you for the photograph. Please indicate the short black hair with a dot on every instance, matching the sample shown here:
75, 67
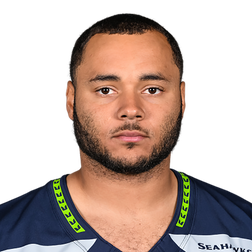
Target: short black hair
122, 24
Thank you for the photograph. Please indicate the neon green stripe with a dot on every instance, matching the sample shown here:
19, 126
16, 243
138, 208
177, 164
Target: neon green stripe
185, 202
64, 207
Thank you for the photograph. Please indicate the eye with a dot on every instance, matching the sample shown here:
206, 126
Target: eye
153, 90
105, 91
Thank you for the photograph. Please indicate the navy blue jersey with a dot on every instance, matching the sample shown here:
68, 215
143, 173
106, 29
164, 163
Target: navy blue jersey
206, 218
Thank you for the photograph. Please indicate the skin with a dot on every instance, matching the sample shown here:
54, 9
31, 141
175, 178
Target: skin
134, 206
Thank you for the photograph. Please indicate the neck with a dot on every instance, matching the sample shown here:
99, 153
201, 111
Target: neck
95, 185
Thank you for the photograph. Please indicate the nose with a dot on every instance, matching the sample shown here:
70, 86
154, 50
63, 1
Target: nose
130, 107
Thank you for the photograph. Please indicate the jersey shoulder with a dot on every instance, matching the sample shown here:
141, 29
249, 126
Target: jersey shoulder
220, 211
23, 219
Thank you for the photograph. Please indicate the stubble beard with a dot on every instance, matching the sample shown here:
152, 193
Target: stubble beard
87, 138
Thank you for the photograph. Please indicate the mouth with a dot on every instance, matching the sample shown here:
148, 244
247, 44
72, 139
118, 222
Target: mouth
130, 136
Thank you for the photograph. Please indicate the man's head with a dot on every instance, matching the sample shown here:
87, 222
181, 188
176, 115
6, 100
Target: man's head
126, 96
122, 24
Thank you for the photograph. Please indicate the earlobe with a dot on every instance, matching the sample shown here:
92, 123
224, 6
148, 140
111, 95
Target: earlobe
70, 99
182, 92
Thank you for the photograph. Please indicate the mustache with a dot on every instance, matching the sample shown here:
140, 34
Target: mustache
130, 127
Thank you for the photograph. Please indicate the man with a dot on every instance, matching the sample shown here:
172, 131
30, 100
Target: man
126, 100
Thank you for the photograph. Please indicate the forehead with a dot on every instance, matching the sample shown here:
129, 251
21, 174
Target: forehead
138, 52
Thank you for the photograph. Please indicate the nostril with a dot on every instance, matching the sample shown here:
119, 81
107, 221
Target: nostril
123, 116
138, 116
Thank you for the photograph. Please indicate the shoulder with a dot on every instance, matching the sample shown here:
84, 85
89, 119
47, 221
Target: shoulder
209, 193
24, 218
220, 210
18, 207
23, 207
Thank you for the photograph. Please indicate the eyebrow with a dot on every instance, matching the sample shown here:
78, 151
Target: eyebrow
109, 77
144, 77
147, 77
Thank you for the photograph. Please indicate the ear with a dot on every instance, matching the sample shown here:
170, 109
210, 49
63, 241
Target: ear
182, 91
70, 99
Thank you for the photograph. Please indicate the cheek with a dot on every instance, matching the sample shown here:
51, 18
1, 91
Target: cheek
164, 117
100, 115
102, 122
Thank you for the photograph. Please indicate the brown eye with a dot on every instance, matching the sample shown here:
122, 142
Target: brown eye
104, 90
153, 90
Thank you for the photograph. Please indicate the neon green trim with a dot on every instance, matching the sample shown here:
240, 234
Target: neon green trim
64, 207
185, 202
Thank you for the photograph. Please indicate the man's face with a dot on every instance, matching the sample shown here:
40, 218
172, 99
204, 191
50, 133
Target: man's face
128, 101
